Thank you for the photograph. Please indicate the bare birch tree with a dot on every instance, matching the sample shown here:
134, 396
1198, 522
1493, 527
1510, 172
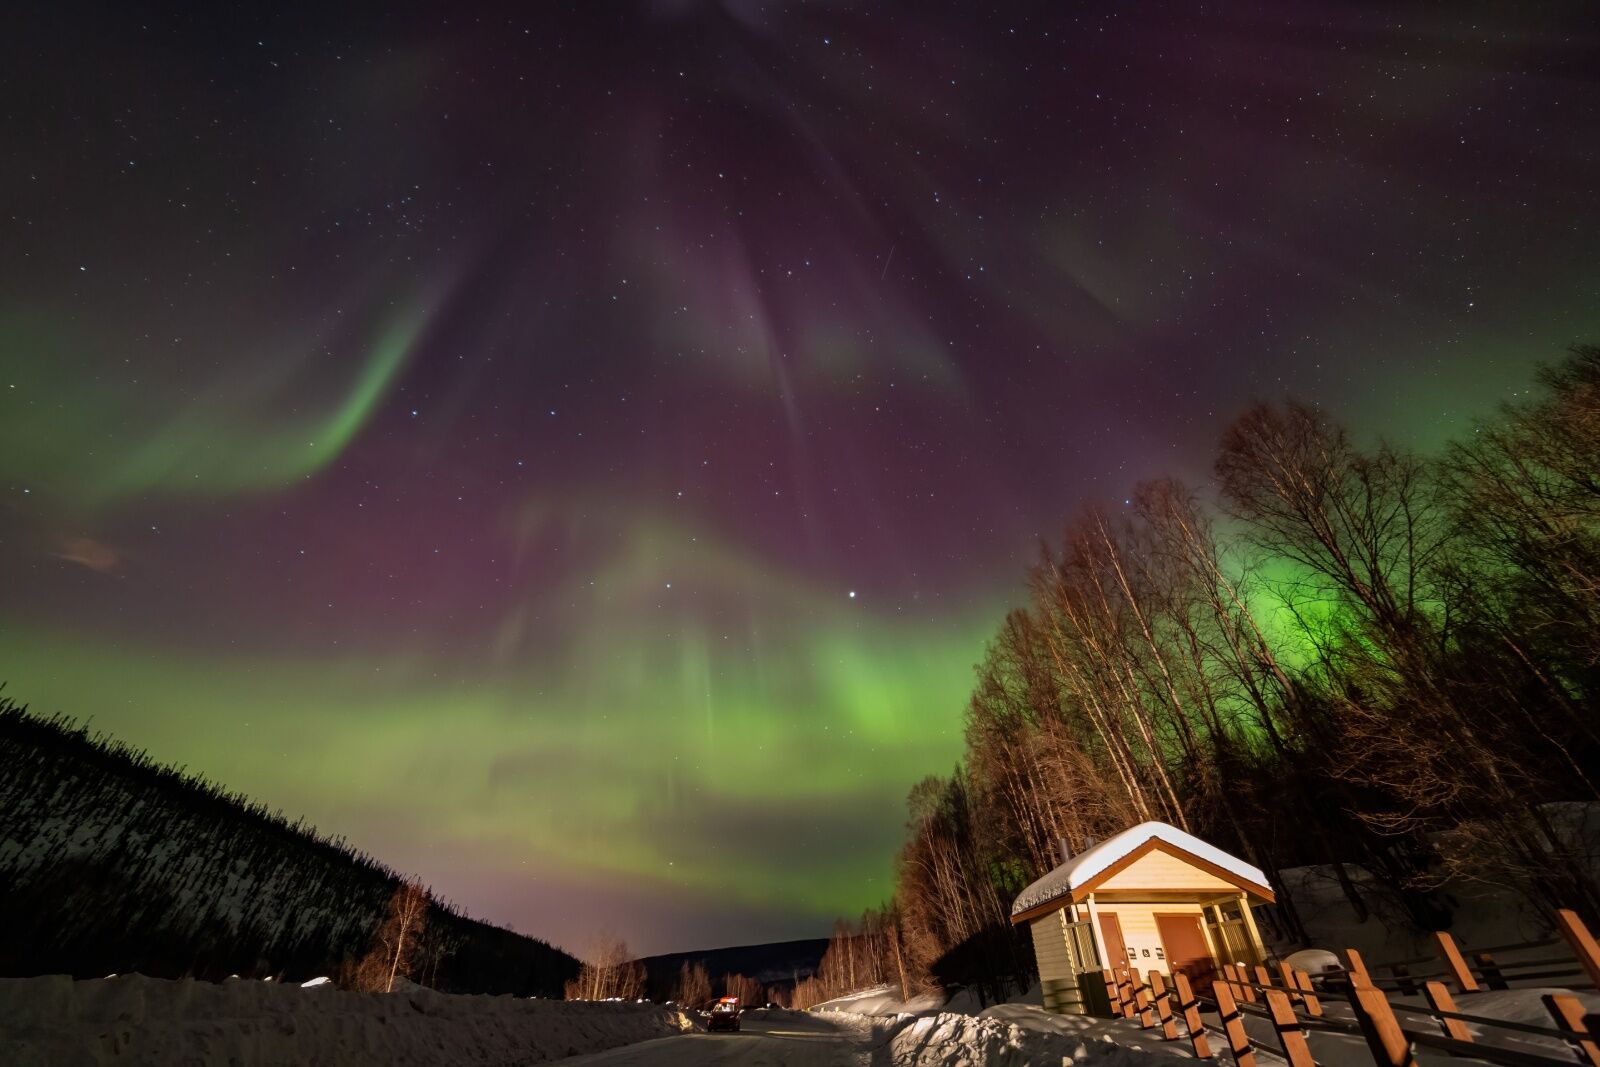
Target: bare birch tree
397, 944
610, 974
694, 985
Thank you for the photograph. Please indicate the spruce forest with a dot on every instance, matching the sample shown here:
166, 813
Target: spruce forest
120, 864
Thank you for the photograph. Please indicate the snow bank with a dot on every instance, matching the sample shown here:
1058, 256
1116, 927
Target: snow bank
137, 1020
1017, 1033
882, 1000
924, 1031
1123, 1032
886, 1000
979, 1041
1329, 1049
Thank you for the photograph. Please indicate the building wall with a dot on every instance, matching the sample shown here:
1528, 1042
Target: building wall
1059, 966
1138, 922
1157, 870
1050, 946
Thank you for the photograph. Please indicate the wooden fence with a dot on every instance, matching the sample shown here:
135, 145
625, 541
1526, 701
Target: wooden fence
1297, 1004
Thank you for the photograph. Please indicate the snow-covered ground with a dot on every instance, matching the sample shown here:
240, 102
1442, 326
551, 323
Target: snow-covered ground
1327, 1048
882, 1000
842, 1039
954, 1040
1484, 915
1040, 1035
45, 1022
54, 1021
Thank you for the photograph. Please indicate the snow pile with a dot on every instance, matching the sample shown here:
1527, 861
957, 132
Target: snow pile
886, 1000
1328, 1048
923, 1032
882, 1000
1125, 1033
134, 1019
1014, 1034
1313, 961
967, 1041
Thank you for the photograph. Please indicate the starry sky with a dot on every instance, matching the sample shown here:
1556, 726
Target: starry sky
577, 451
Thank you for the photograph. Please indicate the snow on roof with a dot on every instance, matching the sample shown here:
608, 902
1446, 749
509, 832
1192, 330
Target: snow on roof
1082, 868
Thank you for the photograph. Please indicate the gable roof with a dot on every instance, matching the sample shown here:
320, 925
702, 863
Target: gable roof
1079, 876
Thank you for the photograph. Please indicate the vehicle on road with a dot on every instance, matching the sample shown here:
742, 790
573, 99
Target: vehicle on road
724, 1015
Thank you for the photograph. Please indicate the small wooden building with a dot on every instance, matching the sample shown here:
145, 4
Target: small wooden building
1150, 898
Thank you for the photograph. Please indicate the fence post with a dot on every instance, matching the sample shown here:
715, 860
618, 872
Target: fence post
1389, 1044
1451, 955
1189, 1008
1238, 982
1113, 992
1163, 1006
1308, 993
1286, 975
1490, 971
1290, 1036
1263, 976
1141, 1000
1439, 999
1127, 993
1568, 1014
1233, 1027
1357, 969
1582, 942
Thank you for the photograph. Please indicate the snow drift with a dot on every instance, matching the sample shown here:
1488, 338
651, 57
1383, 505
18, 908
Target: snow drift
977, 1041
132, 1019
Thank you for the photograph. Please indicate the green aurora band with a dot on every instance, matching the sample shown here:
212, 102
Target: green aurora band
639, 739
231, 440
578, 454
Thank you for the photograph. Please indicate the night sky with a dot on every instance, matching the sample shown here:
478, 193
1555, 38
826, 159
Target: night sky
577, 453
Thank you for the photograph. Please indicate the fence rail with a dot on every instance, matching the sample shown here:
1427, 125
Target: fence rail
1293, 1005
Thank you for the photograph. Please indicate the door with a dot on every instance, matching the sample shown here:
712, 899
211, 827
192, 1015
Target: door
1185, 945
1111, 934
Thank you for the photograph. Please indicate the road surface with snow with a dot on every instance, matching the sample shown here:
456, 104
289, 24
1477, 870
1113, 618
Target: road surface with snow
842, 1039
786, 1038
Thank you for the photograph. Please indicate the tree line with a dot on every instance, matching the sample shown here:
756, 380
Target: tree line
611, 972
121, 864
1337, 653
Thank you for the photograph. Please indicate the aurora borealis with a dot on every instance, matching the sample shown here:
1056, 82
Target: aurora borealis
577, 451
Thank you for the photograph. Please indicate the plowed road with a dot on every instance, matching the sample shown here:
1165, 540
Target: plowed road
787, 1040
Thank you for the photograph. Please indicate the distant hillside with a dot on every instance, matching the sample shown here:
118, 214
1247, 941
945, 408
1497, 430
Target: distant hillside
778, 964
110, 862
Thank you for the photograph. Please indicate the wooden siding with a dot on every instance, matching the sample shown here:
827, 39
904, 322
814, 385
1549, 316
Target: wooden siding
1058, 964
1159, 870
1050, 946
1065, 996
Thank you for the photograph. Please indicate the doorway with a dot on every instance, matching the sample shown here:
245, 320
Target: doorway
1111, 934
1186, 949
